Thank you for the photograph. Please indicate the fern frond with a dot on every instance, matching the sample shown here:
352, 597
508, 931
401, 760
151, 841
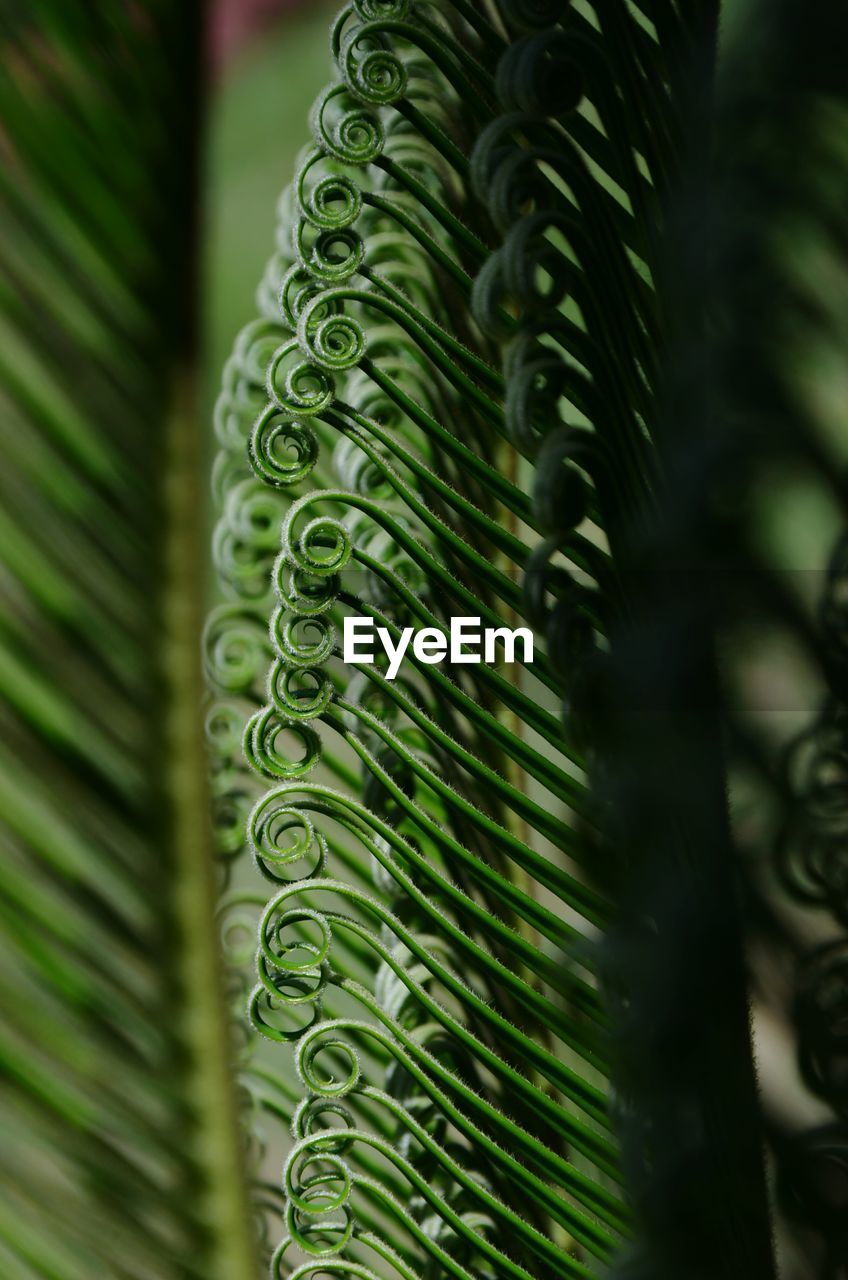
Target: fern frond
549, 343
466, 267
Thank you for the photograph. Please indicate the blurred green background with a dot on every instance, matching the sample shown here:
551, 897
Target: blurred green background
257, 124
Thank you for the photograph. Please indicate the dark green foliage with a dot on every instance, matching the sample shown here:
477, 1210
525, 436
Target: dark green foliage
100, 1167
551, 335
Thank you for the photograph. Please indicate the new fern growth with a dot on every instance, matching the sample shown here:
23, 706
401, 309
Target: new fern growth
550, 342
445, 407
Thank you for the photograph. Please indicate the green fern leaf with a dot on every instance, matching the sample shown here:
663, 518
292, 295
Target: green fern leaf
544, 350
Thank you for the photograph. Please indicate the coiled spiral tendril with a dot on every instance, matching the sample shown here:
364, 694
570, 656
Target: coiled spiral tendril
283, 451
346, 128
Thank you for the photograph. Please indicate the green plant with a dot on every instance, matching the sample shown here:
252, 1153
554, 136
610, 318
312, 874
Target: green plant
520, 354
115, 1030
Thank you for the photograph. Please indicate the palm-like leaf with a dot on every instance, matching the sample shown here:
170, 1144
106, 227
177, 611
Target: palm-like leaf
116, 1031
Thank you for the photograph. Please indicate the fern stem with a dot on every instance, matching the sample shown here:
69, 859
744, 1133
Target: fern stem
206, 1022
